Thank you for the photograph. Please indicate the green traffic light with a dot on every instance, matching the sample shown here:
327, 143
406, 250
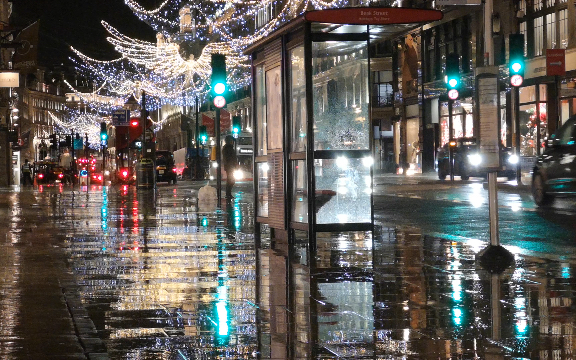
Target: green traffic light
219, 88
103, 136
516, 66
453, 82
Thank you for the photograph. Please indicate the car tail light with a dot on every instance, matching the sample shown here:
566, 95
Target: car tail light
124, 173
41, 176
174, 170
100, 177
60, 176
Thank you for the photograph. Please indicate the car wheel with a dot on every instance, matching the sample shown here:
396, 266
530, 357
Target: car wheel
541, 198
174, 180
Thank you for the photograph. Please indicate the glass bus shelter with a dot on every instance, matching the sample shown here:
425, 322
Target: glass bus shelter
312, 127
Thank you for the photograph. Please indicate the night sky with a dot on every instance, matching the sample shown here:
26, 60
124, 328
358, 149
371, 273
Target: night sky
76, 23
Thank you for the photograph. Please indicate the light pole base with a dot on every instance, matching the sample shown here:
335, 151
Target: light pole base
495, 259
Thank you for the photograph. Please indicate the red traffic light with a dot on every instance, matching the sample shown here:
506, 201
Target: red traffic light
134, 122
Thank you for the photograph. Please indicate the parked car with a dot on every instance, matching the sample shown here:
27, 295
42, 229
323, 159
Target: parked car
554, 173
468, 160
165, 167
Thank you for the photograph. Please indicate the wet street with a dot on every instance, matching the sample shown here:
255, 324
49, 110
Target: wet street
116, 273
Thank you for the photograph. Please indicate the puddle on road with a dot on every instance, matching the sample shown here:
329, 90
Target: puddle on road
163, 279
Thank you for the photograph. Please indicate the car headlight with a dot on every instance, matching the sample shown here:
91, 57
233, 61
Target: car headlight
513, 159
475, 159
238, 174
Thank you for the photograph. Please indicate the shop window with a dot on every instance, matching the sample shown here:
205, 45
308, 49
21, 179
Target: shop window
262, 170
299, 192
383, 90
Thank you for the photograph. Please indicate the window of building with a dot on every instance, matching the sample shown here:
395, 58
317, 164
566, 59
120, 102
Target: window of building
538, 5
523, 32
551, 31
383, 91
538, 35
563, 36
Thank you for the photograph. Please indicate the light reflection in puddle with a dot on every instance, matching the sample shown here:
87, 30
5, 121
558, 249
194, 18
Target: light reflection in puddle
192, 284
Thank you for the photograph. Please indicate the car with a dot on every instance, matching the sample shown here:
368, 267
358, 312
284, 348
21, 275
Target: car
468, 160
96, 178
554, 172
165, 167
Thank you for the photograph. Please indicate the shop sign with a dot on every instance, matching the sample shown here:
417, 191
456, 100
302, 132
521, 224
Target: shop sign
9, 79
373, 16
555, 62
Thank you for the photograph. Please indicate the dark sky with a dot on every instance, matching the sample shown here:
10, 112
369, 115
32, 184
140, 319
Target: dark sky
76, 23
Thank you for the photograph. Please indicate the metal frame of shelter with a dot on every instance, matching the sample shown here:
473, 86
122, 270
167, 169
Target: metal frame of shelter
311, 108
311, 101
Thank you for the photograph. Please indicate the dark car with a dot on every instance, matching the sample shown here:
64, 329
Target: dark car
468, 160
165, 167
554, 172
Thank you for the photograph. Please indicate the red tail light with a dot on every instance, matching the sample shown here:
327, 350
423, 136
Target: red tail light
60, 176
173, 169
125, 173
41, 176
100, 177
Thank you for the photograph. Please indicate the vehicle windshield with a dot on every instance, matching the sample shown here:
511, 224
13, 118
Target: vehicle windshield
162, 159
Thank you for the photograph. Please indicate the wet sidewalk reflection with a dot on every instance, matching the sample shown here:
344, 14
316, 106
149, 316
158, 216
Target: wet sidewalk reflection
163, 277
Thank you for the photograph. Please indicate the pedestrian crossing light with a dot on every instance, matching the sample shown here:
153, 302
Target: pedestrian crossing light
516, 59
203, 135
453, 75
235, 126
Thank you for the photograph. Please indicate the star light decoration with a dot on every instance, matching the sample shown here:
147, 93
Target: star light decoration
176, 69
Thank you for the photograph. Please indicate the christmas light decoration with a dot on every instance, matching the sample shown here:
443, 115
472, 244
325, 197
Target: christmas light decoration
176, 69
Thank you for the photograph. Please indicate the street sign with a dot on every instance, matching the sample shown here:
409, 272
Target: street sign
120, 118
488, 100
555, 62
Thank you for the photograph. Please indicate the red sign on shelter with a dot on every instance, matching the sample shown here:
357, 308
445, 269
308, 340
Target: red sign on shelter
373, 16
209, 123
555, 62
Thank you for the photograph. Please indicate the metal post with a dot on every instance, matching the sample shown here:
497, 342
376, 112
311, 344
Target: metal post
450, 138
143, 120
493, 208
516, 114
196, 142
218, 156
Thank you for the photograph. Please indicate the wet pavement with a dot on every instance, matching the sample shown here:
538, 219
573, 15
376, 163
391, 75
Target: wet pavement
116, 273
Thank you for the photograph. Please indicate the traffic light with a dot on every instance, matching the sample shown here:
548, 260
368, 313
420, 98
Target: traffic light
53, 142
218, 79
103, 132
203, 135
68, 141
235, 126
134, 122
13, 136
453, 75
516, 59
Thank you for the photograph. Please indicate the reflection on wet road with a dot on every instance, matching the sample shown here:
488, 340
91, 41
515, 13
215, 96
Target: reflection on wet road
163, 277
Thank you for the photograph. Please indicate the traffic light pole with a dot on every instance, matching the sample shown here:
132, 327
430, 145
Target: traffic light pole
218, 156
516, 106
451, 138
197, 163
